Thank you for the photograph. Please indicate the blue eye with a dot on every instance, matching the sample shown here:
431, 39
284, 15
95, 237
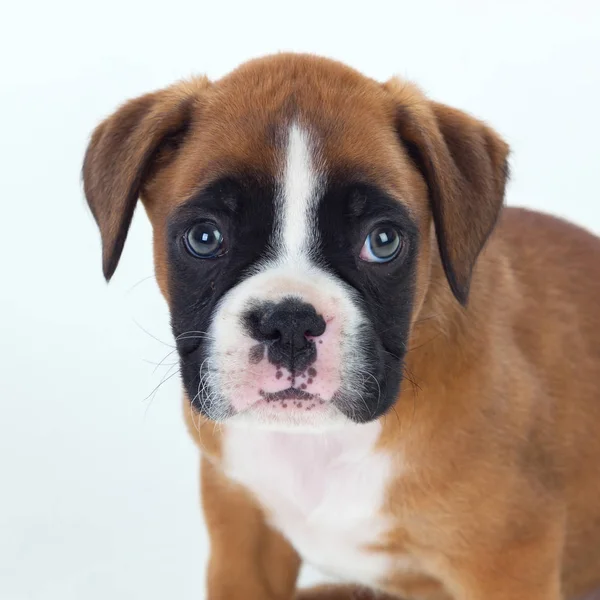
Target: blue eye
382, 245
204, 240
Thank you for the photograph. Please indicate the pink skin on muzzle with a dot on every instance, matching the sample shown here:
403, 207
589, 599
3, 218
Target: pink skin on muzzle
263, 384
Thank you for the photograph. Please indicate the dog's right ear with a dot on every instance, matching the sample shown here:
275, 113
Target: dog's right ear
121, 154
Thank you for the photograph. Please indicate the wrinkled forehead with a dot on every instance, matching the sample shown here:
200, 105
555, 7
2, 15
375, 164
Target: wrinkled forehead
302, 131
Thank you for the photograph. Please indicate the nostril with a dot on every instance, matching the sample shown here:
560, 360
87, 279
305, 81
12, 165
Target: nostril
316, 327
313, 332
268, 331
272, 335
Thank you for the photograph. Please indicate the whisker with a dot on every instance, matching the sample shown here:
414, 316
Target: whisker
152, 336
424, 343
410, 377
192, 333
164, 380
135, 285
159, 364
163, 360
425, 319
195, 337
378, 390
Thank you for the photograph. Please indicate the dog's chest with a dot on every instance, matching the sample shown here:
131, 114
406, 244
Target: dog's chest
323, 491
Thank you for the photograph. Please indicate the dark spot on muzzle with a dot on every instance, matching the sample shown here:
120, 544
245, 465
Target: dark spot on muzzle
256, 354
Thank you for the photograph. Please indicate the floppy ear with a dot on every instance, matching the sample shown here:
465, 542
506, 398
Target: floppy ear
464, 163
121, 154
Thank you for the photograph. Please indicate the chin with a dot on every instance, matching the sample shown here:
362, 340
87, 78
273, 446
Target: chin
279, 418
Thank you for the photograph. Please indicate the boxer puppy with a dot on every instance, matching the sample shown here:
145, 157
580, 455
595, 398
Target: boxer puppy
389, 375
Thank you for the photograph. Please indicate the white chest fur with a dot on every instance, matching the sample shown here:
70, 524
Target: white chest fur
323, 491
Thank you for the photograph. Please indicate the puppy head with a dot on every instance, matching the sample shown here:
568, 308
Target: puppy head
292, 205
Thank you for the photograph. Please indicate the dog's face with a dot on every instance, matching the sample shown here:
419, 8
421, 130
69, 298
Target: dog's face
292, 205
280, 290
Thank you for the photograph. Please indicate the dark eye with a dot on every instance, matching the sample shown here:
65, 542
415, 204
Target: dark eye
382, 245
204, 240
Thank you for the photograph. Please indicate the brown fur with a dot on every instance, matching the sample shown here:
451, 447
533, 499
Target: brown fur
501, 400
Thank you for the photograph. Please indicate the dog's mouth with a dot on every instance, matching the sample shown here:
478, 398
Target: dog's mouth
290, 393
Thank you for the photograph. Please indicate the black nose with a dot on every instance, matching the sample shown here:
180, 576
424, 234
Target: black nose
287, 327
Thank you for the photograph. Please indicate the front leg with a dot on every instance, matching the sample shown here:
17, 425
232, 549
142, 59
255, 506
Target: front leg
530, 570
248, 560
341, 592
510, 588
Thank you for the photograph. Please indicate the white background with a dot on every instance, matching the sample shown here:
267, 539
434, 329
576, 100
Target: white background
98, 484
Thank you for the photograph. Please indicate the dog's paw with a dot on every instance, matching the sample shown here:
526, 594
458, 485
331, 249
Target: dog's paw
340, 592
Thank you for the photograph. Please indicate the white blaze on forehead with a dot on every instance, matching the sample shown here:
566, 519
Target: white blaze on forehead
298, 196
234, 382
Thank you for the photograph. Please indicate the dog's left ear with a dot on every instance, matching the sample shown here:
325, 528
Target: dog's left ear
464, 163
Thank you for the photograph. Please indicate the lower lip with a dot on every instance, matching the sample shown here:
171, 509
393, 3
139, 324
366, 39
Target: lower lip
292, 405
